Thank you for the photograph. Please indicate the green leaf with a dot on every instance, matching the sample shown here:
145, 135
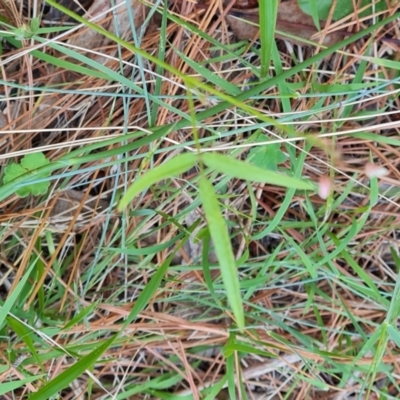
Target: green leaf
394, 334
223, 249
25, 334
239, 169
171, 168
34, 161
342, 8
28, 164
35, 24
14, 296
267, 156
70, 374
268, 15
8, 387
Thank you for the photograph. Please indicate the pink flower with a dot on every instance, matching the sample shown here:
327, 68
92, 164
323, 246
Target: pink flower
324, 186
375, 171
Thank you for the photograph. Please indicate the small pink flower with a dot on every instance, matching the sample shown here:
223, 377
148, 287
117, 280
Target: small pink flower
324, 186
375, 171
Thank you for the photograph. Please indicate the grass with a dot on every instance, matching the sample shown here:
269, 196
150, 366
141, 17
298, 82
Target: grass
168, 260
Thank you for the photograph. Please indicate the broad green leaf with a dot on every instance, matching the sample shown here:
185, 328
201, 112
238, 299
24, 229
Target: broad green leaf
239, 169
169, 169
266, 156
342, 8
29, 163
34, 161
13, 171
223, 249
70, 374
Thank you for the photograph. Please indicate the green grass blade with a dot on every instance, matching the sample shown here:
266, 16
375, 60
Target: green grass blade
215, 389
223, 248
70, 374
7, 388
25, 334
394, 334
69, 66
170, 168
239, 169
148, 292
228, 87
14, 296
80, 316
268, 10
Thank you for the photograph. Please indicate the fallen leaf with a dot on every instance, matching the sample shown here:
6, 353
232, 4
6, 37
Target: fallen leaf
291, 20
117, 22
112, 16
69, 200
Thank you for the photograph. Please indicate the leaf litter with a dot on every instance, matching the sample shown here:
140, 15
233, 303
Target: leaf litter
285, 308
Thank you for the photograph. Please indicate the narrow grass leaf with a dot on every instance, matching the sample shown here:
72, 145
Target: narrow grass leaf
25, 334
14, 296
169, 169
231, 375
310, 266
285, 204
394, 309
228, 87
364, 276
230, 348
394, 334
150, 289
223, 248
69, 66
206, 267
7, 388
268, 11
156, 383
80, 316
148, 292
239, 169
70, 374
215, 389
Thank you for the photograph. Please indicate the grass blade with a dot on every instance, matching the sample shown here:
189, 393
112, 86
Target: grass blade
171, 168
223, 248
69, 375
268, 15
242, 170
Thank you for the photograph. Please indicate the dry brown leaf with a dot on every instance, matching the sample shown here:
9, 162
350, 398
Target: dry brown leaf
110, 15
92, 40
69, 200
291, 20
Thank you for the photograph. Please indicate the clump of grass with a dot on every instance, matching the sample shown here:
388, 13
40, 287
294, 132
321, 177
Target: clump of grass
155, 152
